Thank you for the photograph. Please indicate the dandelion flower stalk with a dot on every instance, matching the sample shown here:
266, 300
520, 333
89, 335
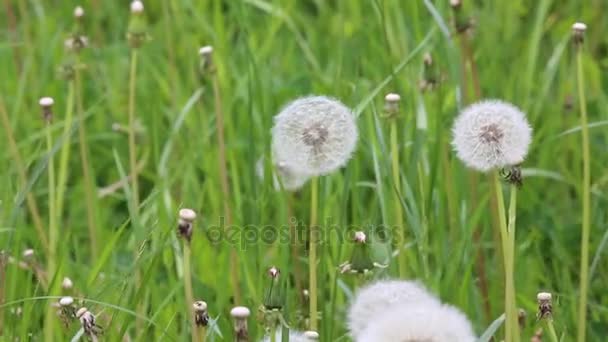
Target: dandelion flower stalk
579, 31
185, 230
64, 156
312, 253
201, 320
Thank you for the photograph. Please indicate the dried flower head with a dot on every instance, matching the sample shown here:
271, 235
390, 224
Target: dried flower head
372, 300
206, 64
47, 104
315, 135
67, 283
240, 315
391, 104
184, 223
545, 306
491, 134
67, 311
419, 322
87, 320
578, 32
201, 316
284, 175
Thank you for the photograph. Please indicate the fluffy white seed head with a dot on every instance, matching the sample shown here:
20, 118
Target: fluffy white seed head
240, 312
491, 134
543, 296
66, 301
137, 7
315, 135
371, 300
78, 12
46, 101
284, 174
67, 283
205, 50
419, 322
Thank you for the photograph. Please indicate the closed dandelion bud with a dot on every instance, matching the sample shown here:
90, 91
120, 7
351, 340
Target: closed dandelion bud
78, 12
419, 322
578, 32
391, 105
184, 223
137, 31
206, 65
545, 307
430, 76
491, 134
521, 318
314, 135
275, 294
240, 314
77, 40
361, 258
461, 21
67, 284
87, 321
47, 108
201, 316
372, 300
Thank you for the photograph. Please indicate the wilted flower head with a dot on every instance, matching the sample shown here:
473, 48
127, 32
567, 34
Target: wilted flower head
284, 175
545, 306
315, 135
491, 134
372, 300
428, 322
578, 32
184, 223
201, 316
87, 320
240, 315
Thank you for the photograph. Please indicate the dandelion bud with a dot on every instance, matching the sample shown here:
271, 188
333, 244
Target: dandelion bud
240, 315
184, 224
461, 22
201, 316
491, 134
391, 105
521, 318
274, 298
206, 64
545, 308
455, 3
361, 257
47, 108
372, 300
66, 301
78, 12
430, 75
314, 135
137, 31
67, 284
87, 320
578, 32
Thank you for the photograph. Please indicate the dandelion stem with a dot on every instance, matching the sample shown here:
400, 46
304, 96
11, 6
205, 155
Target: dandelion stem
586, 219
89, 187
312, 253
188, 290
551, 328
219, 121
511, 232
397, 196
273, 332
29, 197
53, 233
65, 150
132, 147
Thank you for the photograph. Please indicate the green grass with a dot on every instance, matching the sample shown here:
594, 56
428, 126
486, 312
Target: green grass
267, 53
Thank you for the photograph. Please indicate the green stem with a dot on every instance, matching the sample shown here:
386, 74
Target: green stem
273, 333
312, 254
132, 147
511, 283
586, 219
89, 186
397, 197
551, 328
53, 233
188, 290
65, 150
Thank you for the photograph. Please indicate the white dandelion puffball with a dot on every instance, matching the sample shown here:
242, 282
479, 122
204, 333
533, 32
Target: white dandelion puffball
491, 134
419, 322
314, 135
372, 300
291, 180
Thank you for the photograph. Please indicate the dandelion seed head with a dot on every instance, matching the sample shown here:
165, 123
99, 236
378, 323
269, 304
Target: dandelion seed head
314, 135
491, 134
67, 283
137, 7
371, 300
240, 312
543, 296
420, 322
78, 12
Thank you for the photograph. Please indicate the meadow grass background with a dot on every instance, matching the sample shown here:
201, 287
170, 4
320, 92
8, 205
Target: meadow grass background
266, 54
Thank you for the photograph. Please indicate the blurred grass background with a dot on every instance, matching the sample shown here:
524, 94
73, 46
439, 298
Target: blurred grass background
268, 53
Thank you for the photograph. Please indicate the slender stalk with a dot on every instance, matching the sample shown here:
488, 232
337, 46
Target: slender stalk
586, 219
29, 197
511, 231
65, 150
312, 253
53, 233
188, 290
219, 121
551, 329
397, 197
89, 188
273, 333
132, 146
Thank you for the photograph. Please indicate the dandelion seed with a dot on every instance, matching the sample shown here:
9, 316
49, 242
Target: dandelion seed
315, 135
371, 300
201, 316
240, 315
491, 134
419, 322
